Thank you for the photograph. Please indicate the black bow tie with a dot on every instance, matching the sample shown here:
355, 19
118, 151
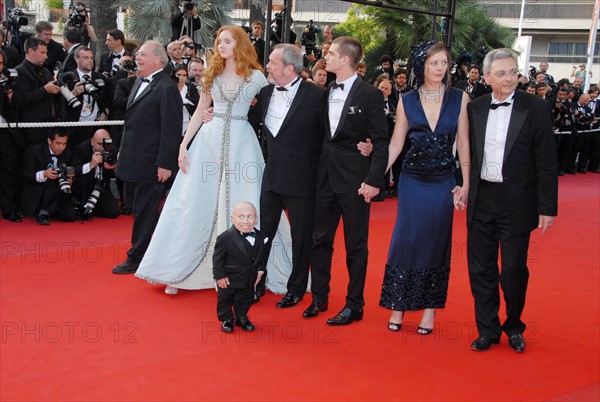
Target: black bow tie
291, 85
145, 80
281, 88
494, 106
249, 234
116, 56
335, 85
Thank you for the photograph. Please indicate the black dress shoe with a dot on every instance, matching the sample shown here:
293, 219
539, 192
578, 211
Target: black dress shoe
42, 219
483, 343
14, 217
227, 326
289, 300
245, 323
517, 343
314, 309
127, 267
346, 316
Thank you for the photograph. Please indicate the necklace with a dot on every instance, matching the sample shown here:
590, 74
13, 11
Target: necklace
432, 94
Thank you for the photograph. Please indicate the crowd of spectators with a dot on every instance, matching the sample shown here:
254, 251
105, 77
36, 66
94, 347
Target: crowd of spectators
66, 172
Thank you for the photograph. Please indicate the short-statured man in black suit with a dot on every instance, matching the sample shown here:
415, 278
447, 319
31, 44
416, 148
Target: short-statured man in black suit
513, 191
42, 195
149, 147
35, 93
256, 37
239, 261
96, 173
109, 61
346, 181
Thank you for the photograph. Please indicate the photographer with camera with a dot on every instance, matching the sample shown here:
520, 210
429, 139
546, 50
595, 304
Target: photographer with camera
47, 177
185, 20
110, 60
80, 20
92, 188
35, 92
10, 149
562, 122
88, 87
277, 30
13, 56
583, 118
56, 52
321, 64
309, 41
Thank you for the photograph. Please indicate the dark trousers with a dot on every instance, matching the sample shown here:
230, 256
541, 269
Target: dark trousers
491, 229
354, 211
239, 299
564, 143
10, 172
56, 202
584, 151
144, 199
595, 151
301, 215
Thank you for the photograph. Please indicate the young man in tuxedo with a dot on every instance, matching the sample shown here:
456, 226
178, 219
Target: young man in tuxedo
346, 181
239, 261
513, 191
149, 146
109, 61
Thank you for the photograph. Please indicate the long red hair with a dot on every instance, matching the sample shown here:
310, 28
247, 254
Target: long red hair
244, 53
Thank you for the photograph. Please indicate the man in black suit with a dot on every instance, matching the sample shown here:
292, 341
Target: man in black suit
472, 85
256, 37
239, 261
71, 40
109, 61
346, 181
92, 188
149, 147
513, 190
184, 21
292, 112
46, 190
13, 56
35, 92
56, 53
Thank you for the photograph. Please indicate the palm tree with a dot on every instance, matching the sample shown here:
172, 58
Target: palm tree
474, 30
104, 18
150, 19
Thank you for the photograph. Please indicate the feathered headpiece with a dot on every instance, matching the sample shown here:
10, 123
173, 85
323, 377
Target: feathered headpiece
418, 54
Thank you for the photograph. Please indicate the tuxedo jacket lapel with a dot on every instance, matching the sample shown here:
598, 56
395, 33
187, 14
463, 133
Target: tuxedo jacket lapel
517, 119
347, 104
238, 240
294, 106
480, 120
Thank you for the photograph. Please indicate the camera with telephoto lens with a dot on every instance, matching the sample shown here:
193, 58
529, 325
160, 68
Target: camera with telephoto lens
93, 87
309, 37
66, 82
129, 65
63, 179
16, 17
107, 155
76, 19
8, 79
90, 204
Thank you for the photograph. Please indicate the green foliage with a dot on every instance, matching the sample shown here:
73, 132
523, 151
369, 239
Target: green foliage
382, 30
54, 3
150, 19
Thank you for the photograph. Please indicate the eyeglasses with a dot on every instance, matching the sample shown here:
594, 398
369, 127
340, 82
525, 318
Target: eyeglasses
503, 74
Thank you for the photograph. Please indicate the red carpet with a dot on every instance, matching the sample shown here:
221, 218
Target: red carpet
71, 330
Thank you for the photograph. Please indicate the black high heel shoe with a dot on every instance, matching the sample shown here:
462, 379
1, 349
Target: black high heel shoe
394, 326
426, 331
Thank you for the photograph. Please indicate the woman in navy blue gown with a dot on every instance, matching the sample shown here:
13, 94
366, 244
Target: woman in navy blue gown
433, 117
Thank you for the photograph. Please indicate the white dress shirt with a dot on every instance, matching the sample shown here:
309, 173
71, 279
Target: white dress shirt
337, 99
280, 105
89, 108
145, 84
495, 141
